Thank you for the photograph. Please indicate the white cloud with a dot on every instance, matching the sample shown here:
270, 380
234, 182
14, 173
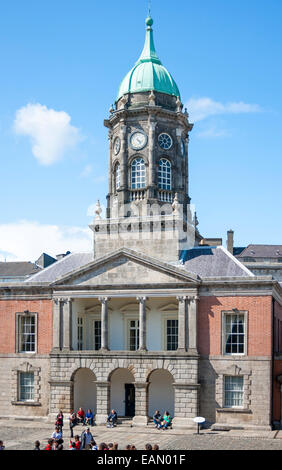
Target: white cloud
26, 240
50, 131
87, 170
213, 132
202, 108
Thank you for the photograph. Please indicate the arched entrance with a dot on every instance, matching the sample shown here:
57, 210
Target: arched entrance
84, 390
122, 392
160, 392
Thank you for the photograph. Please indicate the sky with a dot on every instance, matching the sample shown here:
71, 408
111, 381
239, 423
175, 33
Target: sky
61, 66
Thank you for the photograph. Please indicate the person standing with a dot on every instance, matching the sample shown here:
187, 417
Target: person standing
72, 421
60, 421
86, 438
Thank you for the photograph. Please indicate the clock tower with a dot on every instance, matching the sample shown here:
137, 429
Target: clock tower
148, 196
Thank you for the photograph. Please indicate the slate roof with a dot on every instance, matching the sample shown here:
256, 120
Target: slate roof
18, 269
62, 267
213, 261
262, 251
205, 261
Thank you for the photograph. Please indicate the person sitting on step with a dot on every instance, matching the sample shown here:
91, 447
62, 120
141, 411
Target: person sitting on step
165, 421
89, 418
156, 418
112, 419
80, 415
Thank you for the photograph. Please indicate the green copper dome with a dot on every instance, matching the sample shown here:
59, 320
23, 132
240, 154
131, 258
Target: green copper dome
148, 73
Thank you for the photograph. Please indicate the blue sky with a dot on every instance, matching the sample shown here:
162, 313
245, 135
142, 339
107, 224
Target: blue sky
63, 61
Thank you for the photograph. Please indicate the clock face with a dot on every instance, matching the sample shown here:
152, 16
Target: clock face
165, 141
117, 145
138, 140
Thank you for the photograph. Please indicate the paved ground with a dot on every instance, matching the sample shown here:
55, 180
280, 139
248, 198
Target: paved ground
22, 435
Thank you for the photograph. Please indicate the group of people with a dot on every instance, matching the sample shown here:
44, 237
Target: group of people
80, 417
89, 443
162, 421
86, 441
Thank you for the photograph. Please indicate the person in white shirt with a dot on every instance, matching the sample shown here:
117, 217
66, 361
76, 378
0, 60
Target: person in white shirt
57, 434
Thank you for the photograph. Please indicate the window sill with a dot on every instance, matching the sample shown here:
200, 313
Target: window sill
26, 403
234, 410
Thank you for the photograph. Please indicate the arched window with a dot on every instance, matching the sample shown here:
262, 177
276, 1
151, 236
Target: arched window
117, 176
138, 174
164, 175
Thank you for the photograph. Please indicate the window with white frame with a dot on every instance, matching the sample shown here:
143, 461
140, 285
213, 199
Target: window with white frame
138, 174
133, 335
26, 386
164, 174
26, 333
234, 333
97, 335
171, 334
79, 333
233, 391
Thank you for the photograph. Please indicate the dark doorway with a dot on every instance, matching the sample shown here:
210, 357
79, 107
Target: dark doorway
129, 400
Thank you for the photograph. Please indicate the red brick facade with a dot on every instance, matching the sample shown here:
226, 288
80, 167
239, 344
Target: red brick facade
259, 341
8, 309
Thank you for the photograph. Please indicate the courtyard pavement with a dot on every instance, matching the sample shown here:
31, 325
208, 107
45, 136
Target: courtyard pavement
21, 435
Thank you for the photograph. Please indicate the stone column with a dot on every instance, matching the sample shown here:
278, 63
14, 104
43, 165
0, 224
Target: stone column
57, 324
142, 323
67, 324
151, 175
122, 193
141, 404
110, 182
103, 402
182, 323
61, 397
104, 323
193, 308
186, 404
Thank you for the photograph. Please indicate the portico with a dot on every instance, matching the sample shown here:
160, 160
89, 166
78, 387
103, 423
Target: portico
137, 342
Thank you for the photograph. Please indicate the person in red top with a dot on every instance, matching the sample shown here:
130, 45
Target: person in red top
80, 415
49, 445
76, 444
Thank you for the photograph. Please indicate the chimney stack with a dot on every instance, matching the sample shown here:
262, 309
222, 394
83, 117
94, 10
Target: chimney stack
230, 241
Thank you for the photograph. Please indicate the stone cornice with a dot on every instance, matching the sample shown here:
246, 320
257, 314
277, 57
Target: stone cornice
148, 111
126, 354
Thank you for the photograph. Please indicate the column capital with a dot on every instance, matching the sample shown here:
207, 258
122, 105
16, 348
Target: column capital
103, 299
141, 299
181, 298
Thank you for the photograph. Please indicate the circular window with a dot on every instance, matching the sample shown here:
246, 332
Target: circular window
165, 141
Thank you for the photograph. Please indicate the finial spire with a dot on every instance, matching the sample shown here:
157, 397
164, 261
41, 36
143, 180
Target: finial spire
149, 7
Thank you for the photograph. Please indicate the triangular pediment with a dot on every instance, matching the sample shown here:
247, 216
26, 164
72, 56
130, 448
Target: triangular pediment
127, 268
